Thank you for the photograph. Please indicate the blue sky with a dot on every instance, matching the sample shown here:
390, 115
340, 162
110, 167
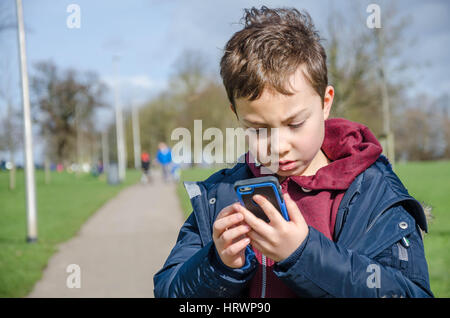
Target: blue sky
151, 35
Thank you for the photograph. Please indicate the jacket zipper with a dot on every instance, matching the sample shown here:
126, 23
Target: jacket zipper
264, 276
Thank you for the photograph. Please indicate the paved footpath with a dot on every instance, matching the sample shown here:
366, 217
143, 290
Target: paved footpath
120, 247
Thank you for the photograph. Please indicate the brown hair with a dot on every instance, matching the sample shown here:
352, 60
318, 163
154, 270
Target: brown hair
273, 44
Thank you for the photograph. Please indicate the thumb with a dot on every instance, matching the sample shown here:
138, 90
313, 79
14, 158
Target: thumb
293, 211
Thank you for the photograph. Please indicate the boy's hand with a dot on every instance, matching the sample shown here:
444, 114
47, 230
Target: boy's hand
229, 236
279, 238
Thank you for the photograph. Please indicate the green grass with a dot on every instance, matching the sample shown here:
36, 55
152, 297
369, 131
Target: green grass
195, 174
63, 206
428, 182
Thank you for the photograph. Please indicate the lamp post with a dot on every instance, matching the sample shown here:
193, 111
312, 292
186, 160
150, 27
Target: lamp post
136, 136
28, 135
121, 160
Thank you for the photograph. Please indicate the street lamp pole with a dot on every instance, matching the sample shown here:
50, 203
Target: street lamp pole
136, 136
29, 164
105, 151
119, 124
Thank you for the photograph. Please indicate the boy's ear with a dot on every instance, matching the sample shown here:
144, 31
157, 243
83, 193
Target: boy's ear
328, 101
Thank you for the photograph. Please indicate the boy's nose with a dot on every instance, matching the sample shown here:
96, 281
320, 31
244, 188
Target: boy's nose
280, 145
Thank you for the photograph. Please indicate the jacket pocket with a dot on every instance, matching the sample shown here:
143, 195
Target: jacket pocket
411, 258
401, 257
407, 256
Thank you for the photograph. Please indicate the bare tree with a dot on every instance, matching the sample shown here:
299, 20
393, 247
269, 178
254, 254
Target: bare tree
65, 102
190, 73
7, 16
361, 63
444, 103
194, 93
422, 129
10, 128
10, 124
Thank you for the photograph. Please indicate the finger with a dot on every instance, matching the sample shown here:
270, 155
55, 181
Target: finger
255, 237
228, 210
254, 222
229, 235
272, 213
236, 248
255, 244
220, 225
293, 211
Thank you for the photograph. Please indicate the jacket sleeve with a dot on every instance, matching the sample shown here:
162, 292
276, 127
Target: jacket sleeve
193, 270
323, 268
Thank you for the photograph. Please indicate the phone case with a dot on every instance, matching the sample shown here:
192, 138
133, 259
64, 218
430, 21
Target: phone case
266, 186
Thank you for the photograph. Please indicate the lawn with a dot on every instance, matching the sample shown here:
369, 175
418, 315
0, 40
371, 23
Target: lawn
195, 174
63, 206
428, 182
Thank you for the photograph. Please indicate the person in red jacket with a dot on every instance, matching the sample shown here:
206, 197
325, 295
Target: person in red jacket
145, 165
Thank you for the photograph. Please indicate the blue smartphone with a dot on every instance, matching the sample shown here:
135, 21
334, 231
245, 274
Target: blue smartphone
268, 187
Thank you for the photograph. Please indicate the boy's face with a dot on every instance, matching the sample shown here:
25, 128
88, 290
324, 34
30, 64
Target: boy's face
300, 121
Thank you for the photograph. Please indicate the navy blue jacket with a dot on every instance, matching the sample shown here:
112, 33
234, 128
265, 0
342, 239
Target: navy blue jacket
377, 249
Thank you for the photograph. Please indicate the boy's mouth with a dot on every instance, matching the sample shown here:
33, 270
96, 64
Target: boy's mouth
287, 165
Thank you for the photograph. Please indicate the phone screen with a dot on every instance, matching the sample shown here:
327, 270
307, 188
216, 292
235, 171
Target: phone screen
268, 188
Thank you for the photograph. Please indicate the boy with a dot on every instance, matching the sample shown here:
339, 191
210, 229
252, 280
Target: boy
353, 232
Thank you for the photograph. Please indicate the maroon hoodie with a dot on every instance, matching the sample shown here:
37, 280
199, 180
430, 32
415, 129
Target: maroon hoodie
351, 148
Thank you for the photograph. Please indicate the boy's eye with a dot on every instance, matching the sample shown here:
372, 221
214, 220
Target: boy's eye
296, 125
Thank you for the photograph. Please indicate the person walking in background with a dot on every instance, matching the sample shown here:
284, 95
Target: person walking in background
100, 167
175, 171
145, 165
164, 157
